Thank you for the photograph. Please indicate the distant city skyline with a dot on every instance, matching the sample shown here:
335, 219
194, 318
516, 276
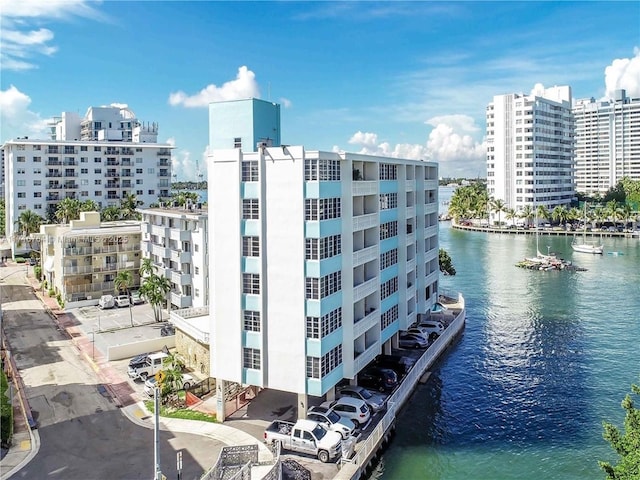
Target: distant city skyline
410, 79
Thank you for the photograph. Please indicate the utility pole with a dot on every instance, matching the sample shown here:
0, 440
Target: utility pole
157, 473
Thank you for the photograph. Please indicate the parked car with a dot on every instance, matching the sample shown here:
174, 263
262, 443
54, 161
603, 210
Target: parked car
305, 436
421, 331
375, 401
431, 326
122, 301
148, 367
382, 379
353, 409
185, 382
106, 301
412, 340
33, 261
136, 298
332, 420
401, 365
167, 330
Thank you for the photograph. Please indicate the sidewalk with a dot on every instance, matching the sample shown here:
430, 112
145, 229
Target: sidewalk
115, 386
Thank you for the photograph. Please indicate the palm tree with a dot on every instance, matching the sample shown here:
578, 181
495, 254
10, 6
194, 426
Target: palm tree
110, 213
122, 283
147, 268
498, 206
68, 209
543, 212
29, 223
528, 214
128, 206
155, 288
510, 214
89, 206
560, 214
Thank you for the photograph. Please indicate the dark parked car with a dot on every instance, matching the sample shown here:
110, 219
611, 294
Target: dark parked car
397, 363
381, 379
167, 330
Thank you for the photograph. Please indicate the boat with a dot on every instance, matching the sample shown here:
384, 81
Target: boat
585, 246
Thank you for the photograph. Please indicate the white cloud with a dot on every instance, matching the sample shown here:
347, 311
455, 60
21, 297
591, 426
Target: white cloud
285, 102
623, 73
451, 143
21, 40
244, 86
184, 167
16, 118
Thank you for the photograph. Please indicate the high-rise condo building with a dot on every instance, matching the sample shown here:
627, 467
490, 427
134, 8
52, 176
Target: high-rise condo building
103, 157
607, 142
317, 261
530, 149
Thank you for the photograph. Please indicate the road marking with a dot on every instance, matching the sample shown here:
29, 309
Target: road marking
25, 445
93, 364
139, 413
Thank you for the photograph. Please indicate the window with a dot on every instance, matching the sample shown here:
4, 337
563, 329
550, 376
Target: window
21, 183
37, 183
21, 159
388, 230
139, 192
322, 208
251, 321
250, 208
388, 201
97, 181
84, 159
97, 193
251, 283
37, 159
139, 170
37, 147
97, 160
319, 288
312, 288
388, 258
388, 288
318, 368
250, 246
251, 358
139, 159
321, 327
22, 195
330, 246
151, 171
97, 170
311, 248
152, 192
321, 169
37, 206
388, 171
388, 317
20, 171
84, 193
237, 142
83, 148
250, 171
84, 170
197, 270
36, 194
97, 149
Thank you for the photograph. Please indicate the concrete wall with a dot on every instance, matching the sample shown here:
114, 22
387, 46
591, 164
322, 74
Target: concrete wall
126, 350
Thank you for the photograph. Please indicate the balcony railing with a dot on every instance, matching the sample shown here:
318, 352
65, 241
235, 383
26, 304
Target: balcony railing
77, 269
365, 288
162, 153
362, 222
180, 319
365, 255
53, 174
365, 323
364, 188
125, 247
181, 301
180, 278
54, 162
52, 198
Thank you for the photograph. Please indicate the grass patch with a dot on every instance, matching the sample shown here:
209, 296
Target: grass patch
182, 413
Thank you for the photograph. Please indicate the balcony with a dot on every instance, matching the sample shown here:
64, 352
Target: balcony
111, 174
365, 323
52, 150
71, 185
410, 238
364, 188
365, 255
163, 163
164, 153
113, 185
112, 163
113, 197
179, 235
112, 151
77, 270
411, 265
127, 173
181, 301
365, 288
180, 278
52, 198
364, 358
53, 161
362, 222
409, 185
126, 184
126, 151
127, 162
70, 162
54, 174
163, 173
411, 290
70, 173
160, 251
180, 256
54, 186
159, 230
410, 212
74, 251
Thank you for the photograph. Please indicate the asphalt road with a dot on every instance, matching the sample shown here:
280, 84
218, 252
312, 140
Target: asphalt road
83, 434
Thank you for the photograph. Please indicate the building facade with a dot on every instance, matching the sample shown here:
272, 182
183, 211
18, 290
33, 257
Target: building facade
80, 261
244, 124
317, 261
176, 241
103, 157
607, 142
530, 149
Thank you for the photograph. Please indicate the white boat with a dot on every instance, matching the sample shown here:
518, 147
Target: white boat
585, 246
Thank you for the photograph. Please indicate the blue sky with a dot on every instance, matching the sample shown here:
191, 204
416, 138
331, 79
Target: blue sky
402, 79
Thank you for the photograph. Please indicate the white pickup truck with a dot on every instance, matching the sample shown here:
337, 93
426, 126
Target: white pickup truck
147, 367
305, 436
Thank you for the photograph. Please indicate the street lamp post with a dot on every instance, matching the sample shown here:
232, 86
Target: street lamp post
157, 473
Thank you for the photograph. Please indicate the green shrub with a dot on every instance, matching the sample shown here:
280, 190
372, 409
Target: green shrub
6, 412
20, 260
37, 271
51, 292
44, 285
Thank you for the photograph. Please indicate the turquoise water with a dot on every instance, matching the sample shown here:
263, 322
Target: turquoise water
545, 358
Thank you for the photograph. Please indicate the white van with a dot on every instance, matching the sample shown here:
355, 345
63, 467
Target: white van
106, 301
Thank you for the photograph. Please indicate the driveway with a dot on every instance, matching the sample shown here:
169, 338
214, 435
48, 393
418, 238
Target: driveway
83, 434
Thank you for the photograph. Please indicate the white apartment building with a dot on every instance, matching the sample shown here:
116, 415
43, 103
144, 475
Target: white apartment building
317, 261
607, 142
81, 260
530, 149
176, 240
103, 156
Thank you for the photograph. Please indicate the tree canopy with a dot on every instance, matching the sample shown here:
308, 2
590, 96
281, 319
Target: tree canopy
627, 444
446, 264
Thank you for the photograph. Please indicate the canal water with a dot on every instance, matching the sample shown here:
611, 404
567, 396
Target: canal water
545, 357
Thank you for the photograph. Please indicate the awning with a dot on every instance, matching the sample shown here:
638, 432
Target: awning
48, 264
